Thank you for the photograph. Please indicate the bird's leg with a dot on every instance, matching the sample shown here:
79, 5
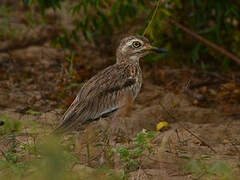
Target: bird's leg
127, 109
113, 130
119, 124
77, 141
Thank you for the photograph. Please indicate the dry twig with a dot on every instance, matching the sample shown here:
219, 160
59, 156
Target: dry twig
205, 41
186, 129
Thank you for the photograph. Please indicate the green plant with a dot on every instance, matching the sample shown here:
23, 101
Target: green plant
201, 169
44, 4
70, 60
106, 15
33, 154
10, 164
131, 156
217, 21
10, 155
6, 29
10, 125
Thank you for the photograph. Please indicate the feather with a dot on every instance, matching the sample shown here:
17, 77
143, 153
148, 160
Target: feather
101, 95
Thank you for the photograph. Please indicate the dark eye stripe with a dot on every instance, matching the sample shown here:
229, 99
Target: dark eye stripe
136, 44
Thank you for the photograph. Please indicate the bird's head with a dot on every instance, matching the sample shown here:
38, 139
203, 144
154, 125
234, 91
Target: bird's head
135, 47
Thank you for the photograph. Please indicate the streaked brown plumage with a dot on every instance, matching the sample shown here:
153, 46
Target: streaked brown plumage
108, 91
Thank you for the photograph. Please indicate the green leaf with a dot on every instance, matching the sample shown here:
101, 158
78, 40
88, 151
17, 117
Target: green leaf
32, 112
219, 168
76, 9
195, 53
116, 21
85, 6
122, 11
97, 4
184, 157
165, 12
195, 166
75, 37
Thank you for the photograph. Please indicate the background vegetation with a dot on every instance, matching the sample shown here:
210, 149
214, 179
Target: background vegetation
217, 21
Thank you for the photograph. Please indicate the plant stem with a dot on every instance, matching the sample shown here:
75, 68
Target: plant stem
153, 16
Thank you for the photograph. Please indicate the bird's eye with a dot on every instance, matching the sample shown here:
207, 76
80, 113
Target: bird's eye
136, 44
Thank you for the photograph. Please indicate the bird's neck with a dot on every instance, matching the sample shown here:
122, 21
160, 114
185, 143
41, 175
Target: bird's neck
131, 59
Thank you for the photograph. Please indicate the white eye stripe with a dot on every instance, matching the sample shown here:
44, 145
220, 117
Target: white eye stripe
130, 43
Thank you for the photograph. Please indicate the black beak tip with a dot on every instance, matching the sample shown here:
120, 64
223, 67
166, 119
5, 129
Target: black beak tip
160, 50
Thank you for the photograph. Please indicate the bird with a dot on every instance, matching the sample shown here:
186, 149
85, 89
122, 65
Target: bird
109, 90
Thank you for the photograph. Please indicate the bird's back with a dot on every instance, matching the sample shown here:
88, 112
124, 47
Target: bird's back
104, 93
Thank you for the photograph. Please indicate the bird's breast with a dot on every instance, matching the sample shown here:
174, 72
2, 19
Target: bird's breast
138, 81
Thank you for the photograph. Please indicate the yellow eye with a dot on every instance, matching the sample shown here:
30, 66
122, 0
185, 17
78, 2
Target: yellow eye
136, 44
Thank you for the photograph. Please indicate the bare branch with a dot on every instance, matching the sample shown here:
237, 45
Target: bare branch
205, 41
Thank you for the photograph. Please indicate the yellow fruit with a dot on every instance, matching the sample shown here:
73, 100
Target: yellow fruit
161, 125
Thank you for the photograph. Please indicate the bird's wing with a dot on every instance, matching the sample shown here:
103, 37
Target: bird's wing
100, 95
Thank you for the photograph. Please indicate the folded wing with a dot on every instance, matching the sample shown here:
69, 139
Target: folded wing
102, 94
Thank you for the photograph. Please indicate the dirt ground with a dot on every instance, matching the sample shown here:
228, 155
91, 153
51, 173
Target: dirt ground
202, 108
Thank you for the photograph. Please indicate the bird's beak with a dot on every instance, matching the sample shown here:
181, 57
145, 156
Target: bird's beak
155, 49
158, 50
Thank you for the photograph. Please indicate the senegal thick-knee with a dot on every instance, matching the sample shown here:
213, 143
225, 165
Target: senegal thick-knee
107, 91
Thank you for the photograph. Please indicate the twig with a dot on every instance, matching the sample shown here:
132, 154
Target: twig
186, 129
201, 140
196, 36
205, 41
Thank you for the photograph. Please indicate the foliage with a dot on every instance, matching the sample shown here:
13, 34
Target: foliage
101, 18
217, 21
42, 156
6, 29
132, 157
104, 18
96, 18
10, 125
38, 157
44, 4
200, 169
